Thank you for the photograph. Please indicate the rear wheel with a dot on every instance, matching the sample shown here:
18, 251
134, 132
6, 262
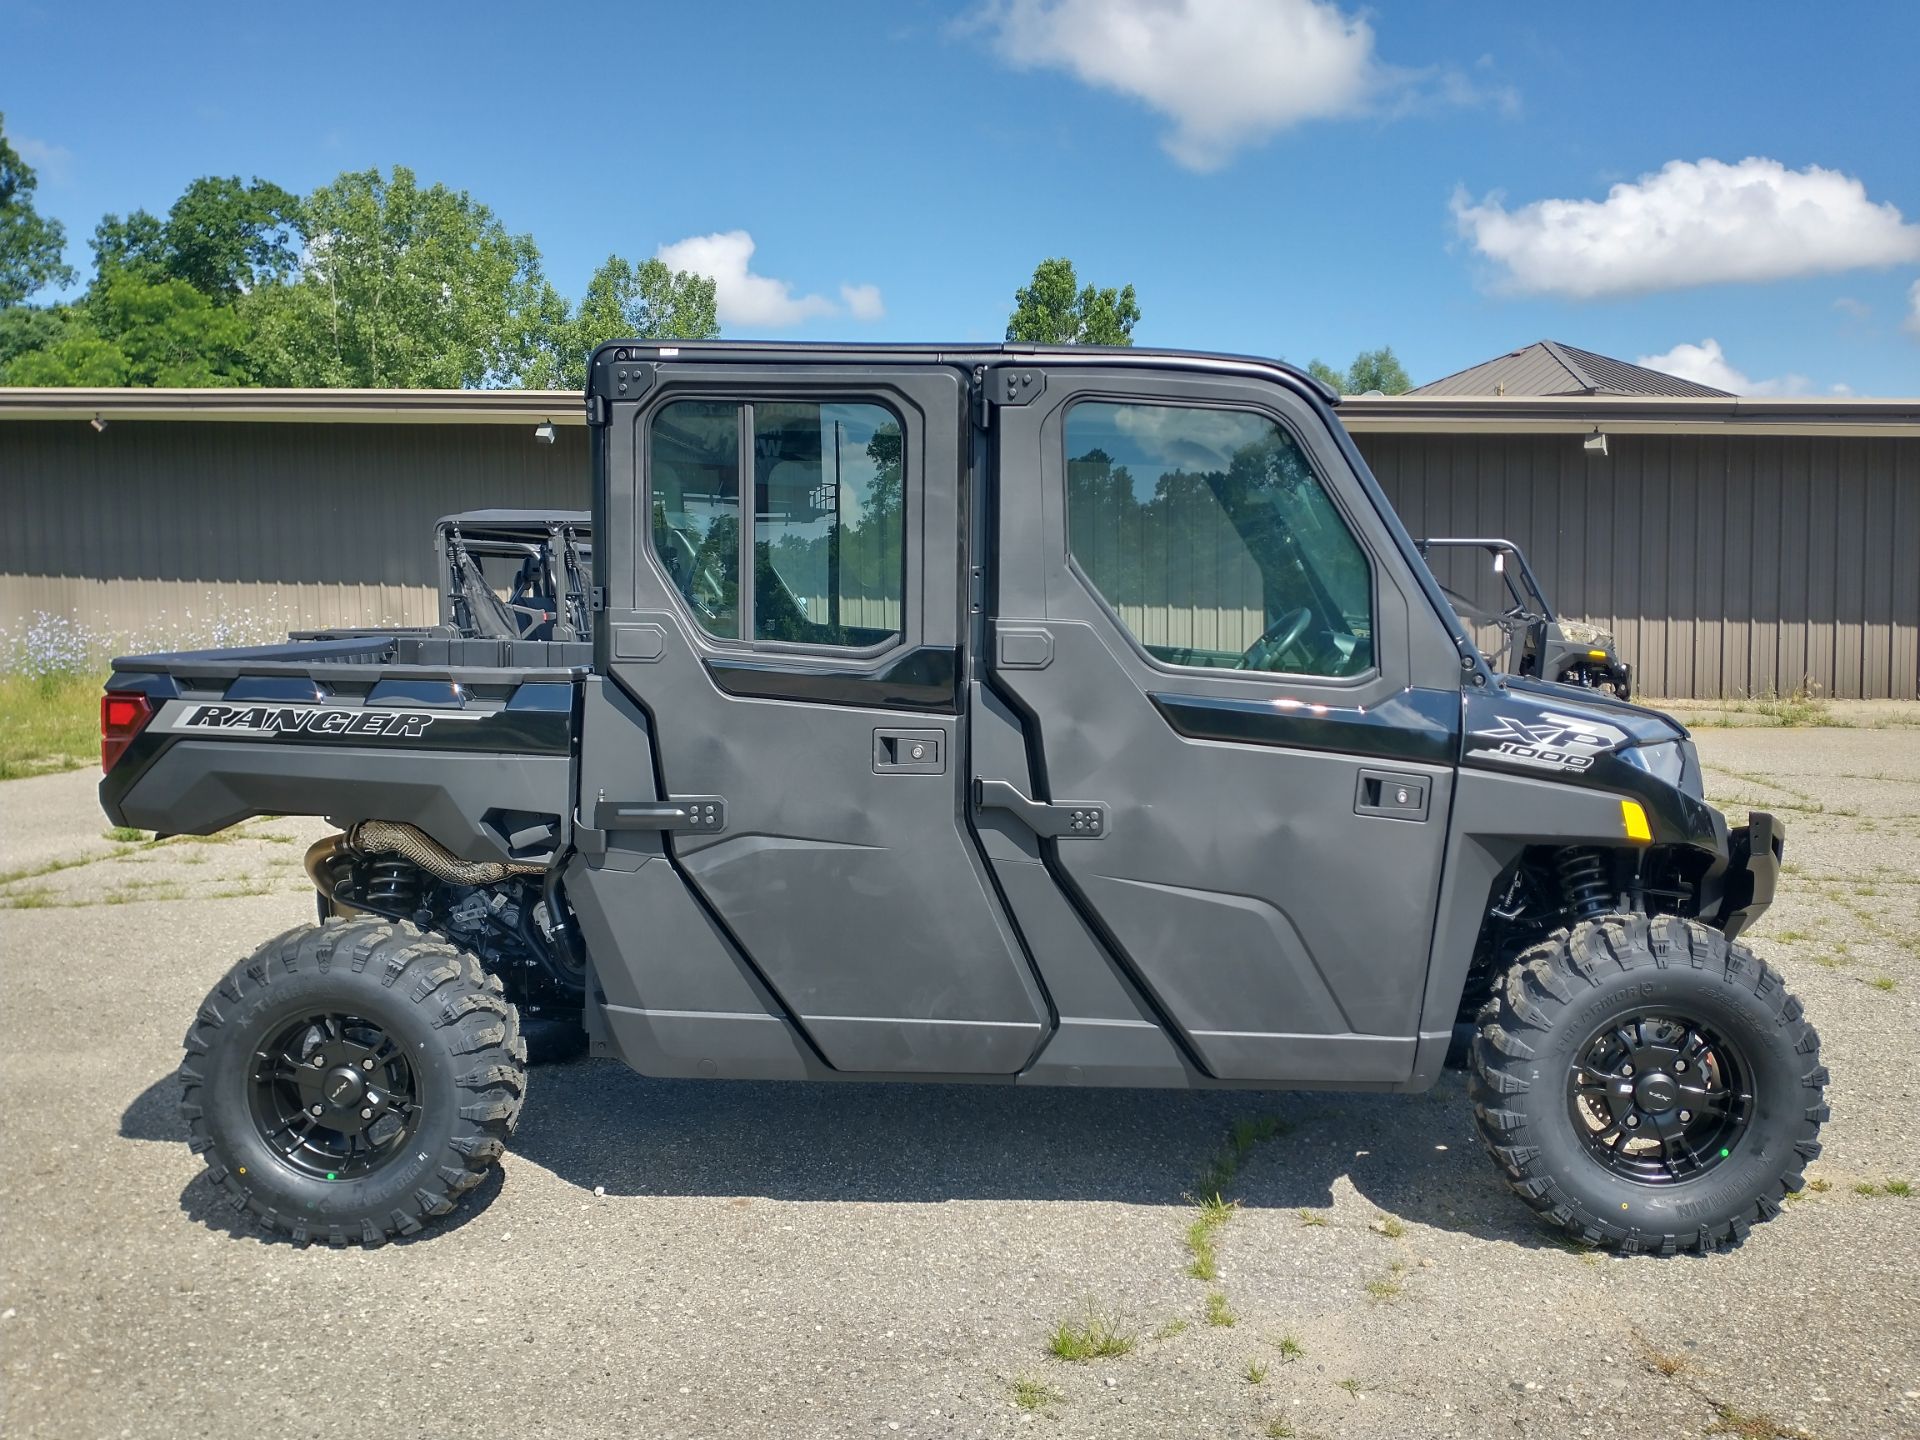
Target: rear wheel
352, 1080
1647, 1085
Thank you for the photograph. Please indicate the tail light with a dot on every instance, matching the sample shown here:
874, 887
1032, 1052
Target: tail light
123, 715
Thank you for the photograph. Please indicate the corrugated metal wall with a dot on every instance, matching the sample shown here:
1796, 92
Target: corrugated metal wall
160, 532
1725, 565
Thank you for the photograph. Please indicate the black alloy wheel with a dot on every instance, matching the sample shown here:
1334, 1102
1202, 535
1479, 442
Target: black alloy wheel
1658, 1097
333, 1095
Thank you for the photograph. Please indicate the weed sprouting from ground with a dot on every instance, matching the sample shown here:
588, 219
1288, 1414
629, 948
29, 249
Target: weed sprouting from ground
1308, 1218
1290, 1349
1256, 1373
1031, 1394
1218, 1311
1098, 1337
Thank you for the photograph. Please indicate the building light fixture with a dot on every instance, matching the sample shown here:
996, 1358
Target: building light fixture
99, 425
1596, 443
543, 433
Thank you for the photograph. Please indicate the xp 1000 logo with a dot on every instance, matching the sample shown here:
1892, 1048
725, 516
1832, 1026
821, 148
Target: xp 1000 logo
1549, 741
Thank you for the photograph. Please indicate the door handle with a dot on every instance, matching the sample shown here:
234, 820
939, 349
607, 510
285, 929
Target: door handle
1077, 820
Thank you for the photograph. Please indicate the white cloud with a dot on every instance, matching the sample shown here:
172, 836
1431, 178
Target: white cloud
1692, 223
863, 302
1707, 364
1227, 73
53, 162
749, 301
1857, 309
1912, 324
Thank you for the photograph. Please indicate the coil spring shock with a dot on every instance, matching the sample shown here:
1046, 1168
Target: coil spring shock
392, 885
1583, 881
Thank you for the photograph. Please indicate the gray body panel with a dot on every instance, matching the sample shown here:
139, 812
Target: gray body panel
1099, 867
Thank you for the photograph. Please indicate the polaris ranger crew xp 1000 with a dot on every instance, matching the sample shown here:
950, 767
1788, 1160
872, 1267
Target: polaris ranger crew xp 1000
991, 714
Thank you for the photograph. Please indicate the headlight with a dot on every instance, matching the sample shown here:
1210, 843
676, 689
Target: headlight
1666, 761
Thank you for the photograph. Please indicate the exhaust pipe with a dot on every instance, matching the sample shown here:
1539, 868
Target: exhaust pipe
414, 845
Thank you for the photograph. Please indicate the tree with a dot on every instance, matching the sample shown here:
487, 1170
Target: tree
624, 301
1371, 370
137, 330
1377, 370
1053, 310
407, 286
1327, 375
32, 246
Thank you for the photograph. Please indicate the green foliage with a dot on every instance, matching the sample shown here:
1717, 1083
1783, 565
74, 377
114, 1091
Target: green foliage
1371, 370
31, 244
404, 286
48, 722
1377, 370
629, 302
1098, 1337
1053, 310
138, 330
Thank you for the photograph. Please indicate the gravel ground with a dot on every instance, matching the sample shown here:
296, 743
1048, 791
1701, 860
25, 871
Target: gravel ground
678, 1259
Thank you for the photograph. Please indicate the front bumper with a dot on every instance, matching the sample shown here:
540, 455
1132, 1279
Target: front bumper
1754, 852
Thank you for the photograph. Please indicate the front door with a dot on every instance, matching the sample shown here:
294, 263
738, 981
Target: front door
789, 617
1205, 621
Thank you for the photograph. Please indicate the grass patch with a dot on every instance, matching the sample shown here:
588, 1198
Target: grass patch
1820, 1187
126, 835
48, 723
1290, 1349
1385, 1288
1097, 1338
1391, 1226
1031, 1394
1308, 1218
1256, 1373
1214, 1212
1242, 1137
35, 898
1349, 1384
1218, 1311
1752, 1425
1170, 1329
1663, 1363
1883, 982
1279, 1430
1899, 1189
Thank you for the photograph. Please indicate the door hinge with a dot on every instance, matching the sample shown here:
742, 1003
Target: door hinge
1067, 820
597, 599
597, 410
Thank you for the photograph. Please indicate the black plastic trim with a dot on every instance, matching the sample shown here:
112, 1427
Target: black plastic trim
1418, 725
924, 678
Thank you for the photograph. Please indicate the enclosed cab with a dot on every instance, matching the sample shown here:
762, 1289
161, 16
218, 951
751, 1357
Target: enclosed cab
999, 715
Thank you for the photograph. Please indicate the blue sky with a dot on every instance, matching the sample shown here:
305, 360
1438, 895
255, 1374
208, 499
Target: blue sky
1289, 177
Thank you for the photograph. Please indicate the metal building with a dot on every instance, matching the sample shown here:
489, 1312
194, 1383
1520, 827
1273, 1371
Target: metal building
1735, 546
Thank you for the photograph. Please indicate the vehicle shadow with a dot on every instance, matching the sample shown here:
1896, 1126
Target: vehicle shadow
154, 1114
596, 1124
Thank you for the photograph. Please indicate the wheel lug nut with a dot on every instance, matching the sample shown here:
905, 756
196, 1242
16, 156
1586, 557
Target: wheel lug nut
1679, 1065
1633, 1122
1685, 1116
319, 1062
366, 1114
367, 1064
314, 1111
1626, 1069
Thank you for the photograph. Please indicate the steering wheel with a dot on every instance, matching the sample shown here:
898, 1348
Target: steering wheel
1278, 638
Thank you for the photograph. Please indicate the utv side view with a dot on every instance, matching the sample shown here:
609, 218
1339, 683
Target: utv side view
975, 714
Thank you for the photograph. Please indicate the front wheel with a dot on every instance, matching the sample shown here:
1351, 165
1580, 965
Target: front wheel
352, 1080
1647, 1085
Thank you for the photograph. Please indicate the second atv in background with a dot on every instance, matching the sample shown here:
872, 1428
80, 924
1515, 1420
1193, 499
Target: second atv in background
1532, 640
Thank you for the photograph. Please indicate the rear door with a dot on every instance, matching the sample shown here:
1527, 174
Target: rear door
1242, 739
788, 612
